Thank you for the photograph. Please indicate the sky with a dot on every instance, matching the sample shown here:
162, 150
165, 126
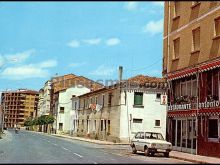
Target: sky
39, 40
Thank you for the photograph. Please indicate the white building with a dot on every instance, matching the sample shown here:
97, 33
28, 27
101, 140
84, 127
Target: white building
66, 114
138, 104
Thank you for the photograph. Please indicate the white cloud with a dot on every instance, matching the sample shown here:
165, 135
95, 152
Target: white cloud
112, 41
93, 41
103, 71
2, 61
131, 5
48, 64
74, 44
19, 57
28, 71
154, 27
158, 3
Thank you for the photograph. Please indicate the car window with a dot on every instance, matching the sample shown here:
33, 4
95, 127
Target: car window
152, 135
138, 135
142, 135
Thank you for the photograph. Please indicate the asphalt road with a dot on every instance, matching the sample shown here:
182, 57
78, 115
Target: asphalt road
30, 147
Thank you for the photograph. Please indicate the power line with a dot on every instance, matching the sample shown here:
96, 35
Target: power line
144, 67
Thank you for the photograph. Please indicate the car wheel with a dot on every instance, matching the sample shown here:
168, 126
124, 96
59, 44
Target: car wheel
146, 151
166, 154
134, 151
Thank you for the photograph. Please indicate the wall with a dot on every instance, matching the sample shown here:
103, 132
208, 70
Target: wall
151, 111
209, 46
65, 101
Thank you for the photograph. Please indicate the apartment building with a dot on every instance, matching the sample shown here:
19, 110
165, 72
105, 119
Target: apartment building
115, 113
191, 66
62, 90
18, 105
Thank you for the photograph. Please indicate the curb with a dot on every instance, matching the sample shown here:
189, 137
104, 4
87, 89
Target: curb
190, 160
85, 140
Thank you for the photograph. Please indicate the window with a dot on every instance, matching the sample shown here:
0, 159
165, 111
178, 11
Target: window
196, 39
177, 89
138, 98
82, 123
176, 45
158, 96
109, 126
103, 100
137, 120
75, 105
61, 109
183, 89
61, 126
84, 103
157, 123
213, 128
102, 125
176, 8
109, 99
217, 26
105, 125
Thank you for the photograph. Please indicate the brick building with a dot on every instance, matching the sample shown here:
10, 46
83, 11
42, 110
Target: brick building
18, 105
191, 65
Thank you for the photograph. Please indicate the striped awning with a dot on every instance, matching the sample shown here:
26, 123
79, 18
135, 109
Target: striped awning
193, 112
190, 71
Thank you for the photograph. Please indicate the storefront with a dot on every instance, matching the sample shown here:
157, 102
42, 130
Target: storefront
194, 109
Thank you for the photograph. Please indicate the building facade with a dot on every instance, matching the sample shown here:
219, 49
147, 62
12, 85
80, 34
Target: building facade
117, 112
191, 66
18, 106
63, 89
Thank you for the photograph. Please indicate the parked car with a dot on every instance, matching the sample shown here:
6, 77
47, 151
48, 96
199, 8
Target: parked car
150, 143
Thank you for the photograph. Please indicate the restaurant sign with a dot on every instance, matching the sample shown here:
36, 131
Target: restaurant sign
201, 105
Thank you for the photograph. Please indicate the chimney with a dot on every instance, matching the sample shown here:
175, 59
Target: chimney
120, 71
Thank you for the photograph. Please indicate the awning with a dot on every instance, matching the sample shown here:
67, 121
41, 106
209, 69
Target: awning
193, 112
190, 71
183, 73
209, 66
209, 112
182, 113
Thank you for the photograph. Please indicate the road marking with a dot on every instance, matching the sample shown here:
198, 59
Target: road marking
55, 144
64, 148
94, 162
48, 141
78, 155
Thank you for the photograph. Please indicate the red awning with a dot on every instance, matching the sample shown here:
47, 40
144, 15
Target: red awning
193, 112
182, 113
190, 71
183, 73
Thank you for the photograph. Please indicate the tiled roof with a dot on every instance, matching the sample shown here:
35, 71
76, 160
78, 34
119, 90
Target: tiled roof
141, 79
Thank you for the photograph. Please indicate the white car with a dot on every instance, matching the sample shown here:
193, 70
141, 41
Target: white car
150, 143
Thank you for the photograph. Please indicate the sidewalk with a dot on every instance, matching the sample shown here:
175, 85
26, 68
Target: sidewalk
194, 158
89, 140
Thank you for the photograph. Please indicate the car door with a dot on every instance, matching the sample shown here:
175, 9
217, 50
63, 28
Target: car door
141, 142
136, 140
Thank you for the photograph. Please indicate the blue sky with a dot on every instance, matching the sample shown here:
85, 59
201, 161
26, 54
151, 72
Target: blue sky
41, 39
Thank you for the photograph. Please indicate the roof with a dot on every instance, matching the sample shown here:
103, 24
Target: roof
72, 80
139, 79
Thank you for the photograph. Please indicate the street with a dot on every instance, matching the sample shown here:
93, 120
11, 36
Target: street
31, 147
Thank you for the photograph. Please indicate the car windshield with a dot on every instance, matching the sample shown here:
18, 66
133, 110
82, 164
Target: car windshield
152, 135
